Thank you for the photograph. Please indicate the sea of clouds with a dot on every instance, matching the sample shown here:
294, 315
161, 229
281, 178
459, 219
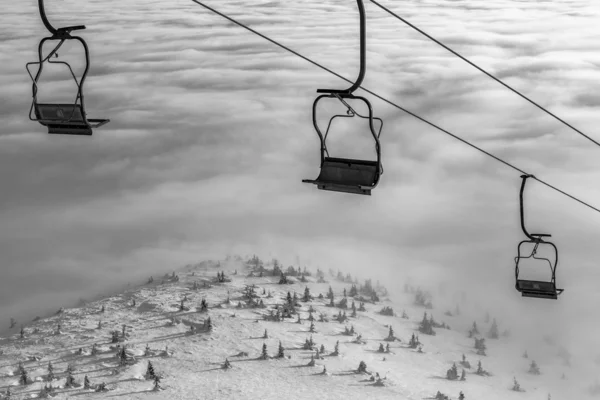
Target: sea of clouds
211, 135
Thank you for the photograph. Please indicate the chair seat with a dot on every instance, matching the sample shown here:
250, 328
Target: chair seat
347, 175
69, 129
539, 289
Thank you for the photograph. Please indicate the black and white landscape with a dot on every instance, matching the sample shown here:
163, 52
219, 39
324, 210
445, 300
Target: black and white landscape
209, 139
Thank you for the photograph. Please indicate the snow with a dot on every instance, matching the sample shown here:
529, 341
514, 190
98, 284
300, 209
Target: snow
193, 367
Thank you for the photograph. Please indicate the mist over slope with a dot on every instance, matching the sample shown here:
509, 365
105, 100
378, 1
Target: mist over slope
165, 321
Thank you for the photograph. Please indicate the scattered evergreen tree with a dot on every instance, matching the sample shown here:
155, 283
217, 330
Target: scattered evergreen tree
307, 297
150, 374
280, 351
115, 337
24, 378
362, 368
157, 386
465, 363
330, 293
101, 387
264, 354
404, 314
102, 309
265, 335
99, 324
452, 373
387, 347
94, 350
463, 375
13, 323
312, 326
227, 364
381, 348
533, 368
50, 375
480, 346
208, 326
311, 363
151, 279
493, 333
70, 381
362, 307
390, 337
426, 326
336, 350
461, 396
124, 331
322, 349
86, 383
516, 386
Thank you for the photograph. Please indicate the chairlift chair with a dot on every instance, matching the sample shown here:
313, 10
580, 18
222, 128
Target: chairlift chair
344, 174
534, 288
61, 118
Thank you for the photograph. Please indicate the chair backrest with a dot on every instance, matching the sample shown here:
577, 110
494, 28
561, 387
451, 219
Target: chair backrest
349, 172
60, 113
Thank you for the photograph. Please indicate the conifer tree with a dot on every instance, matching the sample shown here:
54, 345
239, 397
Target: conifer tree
70, 381
307, 296
208, 324
156, 387
22, 333
102, 309
86, 383
227, 364
336, 350
115, 337
311, 363
362, 367
24, 378
264, 354
13, 323
387, 347
99, 324
94, 350
50, 375
265, 335
330, 293
280, 351
150, 374
463, 375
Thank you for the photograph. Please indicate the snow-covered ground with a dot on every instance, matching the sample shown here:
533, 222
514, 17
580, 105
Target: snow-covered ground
193, 367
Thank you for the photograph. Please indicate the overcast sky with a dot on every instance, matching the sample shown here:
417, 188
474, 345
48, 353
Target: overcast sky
211, 135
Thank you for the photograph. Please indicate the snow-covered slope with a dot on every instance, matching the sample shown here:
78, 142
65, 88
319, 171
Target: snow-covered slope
190, 362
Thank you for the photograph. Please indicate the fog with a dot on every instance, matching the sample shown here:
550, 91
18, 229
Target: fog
211, 135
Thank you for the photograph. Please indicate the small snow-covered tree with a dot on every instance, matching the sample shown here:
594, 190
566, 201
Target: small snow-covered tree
362, 368
280, 351
50, 374
264, 355
494, 333
86, 383
150, 374
533, 368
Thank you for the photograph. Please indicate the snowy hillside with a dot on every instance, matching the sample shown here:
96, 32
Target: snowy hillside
164, 322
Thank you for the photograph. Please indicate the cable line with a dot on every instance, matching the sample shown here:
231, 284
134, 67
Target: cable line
485, 72
396, 105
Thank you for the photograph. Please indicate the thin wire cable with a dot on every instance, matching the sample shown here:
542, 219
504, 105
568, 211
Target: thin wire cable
393, 104
485, 72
